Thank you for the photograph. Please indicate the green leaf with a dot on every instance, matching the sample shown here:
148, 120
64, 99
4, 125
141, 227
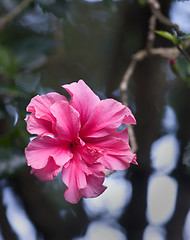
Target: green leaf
142, 2
181, 68
8, 63
166, 35
185, 36
183, 45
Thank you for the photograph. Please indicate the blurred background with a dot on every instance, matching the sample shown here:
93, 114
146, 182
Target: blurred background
54, 42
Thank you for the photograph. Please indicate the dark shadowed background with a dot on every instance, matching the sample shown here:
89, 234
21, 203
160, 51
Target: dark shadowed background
51, 43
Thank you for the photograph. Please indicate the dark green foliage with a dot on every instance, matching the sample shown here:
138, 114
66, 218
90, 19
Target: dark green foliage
8, 63
181, 69
142, 2
24, 50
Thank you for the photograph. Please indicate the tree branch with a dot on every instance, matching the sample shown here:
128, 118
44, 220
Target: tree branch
151, 33
16, 11
156, 11
169, 53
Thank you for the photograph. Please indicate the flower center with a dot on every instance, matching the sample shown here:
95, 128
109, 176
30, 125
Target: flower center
94, 152
77, 142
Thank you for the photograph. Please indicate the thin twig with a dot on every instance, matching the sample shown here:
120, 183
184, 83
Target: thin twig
156, 11
186, 55
16, 11
151, 33
124, 83
169, 53
132, 138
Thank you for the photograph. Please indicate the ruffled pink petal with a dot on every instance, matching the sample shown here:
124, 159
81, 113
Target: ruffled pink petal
83, 99
122, 134
70, 176
41, 121
125, 136
82, 180
38, 126
40, 105
49, 172
67, 120
106, 119
118, 162
95, 181
129, 117
75, 170
117, 153
40, 149
72, 193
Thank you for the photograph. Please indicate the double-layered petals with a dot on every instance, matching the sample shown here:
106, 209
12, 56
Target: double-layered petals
78, 137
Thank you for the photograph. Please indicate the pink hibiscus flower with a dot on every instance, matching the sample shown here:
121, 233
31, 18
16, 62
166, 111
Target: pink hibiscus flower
78, 137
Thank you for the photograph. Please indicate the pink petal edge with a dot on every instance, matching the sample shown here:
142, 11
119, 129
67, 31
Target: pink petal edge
106, 119
48, 173
83, 99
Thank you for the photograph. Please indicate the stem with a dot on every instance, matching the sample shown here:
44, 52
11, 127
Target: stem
186, 55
